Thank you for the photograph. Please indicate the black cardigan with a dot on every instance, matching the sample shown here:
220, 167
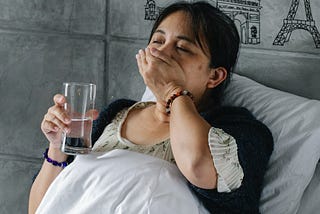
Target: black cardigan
255, 144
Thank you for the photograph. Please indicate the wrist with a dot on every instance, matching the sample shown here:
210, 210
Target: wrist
178, 93
55, 163
171, 91
56, 154
160, 112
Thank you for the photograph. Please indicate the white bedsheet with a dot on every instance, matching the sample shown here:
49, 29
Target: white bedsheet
120, 182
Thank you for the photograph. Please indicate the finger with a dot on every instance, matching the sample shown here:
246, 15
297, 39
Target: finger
142, 54
60, 113
59, 99
160, 55
149, 58
93, 113
55, 123
142, 65
152, 60
139, 63
157, 58
52, 118
48, 127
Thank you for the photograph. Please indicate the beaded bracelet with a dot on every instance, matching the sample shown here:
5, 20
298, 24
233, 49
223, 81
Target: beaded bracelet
53, 162
174, 96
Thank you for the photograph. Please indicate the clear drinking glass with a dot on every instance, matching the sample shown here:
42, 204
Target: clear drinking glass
79, 106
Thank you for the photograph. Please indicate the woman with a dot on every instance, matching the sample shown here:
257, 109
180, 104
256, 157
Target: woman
191, 53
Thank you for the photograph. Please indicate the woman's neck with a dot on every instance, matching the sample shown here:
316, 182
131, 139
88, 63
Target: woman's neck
159, 113
146, 126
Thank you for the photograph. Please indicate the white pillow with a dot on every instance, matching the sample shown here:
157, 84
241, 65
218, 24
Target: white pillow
295, 125
120, 181
148, 95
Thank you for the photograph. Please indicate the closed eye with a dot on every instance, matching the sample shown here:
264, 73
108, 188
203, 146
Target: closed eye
183, 49
157, 42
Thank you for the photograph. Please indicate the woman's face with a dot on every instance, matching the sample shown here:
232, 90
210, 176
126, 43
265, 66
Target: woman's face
175, 38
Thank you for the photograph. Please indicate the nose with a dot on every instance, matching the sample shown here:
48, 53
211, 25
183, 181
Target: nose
167, 48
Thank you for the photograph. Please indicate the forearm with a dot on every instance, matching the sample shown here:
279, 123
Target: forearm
189, 141
44, 179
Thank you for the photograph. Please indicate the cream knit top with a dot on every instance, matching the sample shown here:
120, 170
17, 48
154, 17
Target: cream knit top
223, 149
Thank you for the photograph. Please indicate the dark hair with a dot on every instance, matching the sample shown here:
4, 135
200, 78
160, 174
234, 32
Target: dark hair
219, 35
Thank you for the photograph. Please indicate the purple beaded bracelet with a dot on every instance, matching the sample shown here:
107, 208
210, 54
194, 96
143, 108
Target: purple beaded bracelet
53, 162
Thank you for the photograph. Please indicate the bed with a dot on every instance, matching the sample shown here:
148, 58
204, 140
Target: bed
279, 85
138, 183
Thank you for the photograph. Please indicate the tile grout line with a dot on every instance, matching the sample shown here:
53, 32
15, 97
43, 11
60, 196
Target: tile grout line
21, 158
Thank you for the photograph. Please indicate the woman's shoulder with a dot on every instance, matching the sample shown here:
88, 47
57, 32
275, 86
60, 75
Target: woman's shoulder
232, 116
228, 112
240, 123
254, 144
107, 114
117, 105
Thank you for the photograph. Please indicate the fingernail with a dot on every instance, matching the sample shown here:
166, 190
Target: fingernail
60, 99
140, 51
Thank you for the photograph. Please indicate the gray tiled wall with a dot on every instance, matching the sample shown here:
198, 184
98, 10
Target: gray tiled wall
124, 78
78, 16
43, 43
15, 183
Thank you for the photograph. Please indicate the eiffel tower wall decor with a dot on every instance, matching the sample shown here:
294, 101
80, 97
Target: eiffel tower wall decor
246, 15
256, 24
291, 23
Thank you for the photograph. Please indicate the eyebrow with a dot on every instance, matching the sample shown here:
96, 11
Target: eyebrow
179, 37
